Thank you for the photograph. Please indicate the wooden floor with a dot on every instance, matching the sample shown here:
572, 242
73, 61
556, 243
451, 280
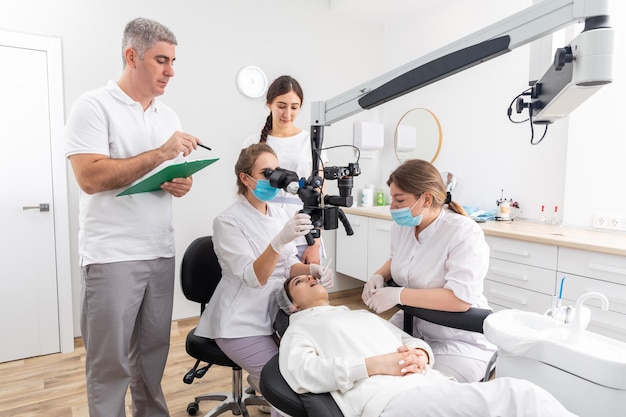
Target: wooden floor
54, 385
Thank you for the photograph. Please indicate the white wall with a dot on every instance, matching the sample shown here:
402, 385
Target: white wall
576, 167
326, 52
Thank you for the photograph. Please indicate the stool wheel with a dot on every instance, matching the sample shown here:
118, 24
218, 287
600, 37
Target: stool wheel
192, 409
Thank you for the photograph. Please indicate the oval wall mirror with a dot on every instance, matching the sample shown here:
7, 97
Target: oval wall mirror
418, 136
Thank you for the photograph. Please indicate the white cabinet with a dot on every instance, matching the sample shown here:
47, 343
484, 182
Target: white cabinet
361, 254
524, 275
586, 271
351, 251
521, 274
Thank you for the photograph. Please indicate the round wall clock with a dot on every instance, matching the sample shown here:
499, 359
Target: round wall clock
251, 81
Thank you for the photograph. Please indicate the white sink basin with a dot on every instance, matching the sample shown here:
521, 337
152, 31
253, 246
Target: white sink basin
594, 357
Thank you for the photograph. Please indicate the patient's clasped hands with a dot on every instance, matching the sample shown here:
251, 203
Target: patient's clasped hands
405, 361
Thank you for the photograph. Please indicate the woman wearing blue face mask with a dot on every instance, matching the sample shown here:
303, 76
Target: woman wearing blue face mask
253, 241
439, 259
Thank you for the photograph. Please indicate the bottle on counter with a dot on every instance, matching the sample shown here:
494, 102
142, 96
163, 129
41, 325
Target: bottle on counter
556, 221
380, 197
367, 196
542, 215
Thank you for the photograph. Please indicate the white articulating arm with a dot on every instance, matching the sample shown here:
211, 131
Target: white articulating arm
519, 29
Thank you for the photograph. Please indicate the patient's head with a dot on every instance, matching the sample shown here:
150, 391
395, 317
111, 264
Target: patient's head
304, 291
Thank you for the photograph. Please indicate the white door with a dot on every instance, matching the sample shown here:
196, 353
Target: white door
29, 288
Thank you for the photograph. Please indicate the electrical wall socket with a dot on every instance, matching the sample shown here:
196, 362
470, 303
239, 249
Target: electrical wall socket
600, 220
610, 221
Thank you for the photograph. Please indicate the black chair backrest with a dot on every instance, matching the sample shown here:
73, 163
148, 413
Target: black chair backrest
281, 322
200, 271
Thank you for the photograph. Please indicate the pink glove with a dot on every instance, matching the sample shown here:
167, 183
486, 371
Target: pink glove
376, 281
325, 275
383, 299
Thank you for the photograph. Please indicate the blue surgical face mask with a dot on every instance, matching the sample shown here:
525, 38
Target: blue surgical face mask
403, 216
264, 191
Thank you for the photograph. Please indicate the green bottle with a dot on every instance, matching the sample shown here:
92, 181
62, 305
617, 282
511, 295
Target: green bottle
380, 198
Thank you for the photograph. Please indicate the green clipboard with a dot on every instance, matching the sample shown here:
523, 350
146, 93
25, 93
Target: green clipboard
153, 182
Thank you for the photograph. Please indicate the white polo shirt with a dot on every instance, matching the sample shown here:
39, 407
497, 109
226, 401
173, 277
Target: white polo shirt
136, 227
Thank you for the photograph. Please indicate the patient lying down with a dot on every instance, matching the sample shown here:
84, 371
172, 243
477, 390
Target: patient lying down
372, 368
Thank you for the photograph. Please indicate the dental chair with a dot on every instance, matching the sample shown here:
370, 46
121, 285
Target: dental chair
287, 402
199, 275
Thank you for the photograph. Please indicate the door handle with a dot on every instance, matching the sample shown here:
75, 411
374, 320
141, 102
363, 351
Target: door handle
40, 207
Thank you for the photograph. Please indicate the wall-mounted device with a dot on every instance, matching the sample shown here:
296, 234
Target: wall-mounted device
578, 71
532, 23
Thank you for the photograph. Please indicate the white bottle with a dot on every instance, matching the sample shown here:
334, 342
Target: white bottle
367, 196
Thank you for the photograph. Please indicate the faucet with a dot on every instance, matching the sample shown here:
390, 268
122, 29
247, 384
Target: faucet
582, 315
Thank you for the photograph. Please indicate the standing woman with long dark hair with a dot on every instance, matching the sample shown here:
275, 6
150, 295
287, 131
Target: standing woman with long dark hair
292, 146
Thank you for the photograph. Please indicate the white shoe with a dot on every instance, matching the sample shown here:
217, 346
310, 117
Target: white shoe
252, 386
265, 409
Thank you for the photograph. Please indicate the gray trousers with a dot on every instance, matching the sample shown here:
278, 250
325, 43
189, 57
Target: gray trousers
125, 323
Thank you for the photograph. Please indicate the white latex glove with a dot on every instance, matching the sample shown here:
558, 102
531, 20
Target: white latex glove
325, 275
383, 299
376, 281
298, 225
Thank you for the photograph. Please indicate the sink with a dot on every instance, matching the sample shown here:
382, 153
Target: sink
597, 358
587, 375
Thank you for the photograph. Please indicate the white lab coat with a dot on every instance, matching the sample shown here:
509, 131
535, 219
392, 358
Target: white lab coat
450, 253
240, 306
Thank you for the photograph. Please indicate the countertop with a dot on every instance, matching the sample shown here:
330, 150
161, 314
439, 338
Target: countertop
570, 237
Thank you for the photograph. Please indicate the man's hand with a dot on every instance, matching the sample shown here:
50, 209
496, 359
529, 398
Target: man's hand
178, 187
177, 143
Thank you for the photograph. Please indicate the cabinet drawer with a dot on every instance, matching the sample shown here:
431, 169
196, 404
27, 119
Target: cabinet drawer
523, 276
528, 253
514, 297
575, 286
593, 264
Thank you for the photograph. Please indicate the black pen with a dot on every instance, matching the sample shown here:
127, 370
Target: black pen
205, 147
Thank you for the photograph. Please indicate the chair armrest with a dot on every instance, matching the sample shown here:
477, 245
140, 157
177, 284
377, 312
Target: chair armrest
471, 320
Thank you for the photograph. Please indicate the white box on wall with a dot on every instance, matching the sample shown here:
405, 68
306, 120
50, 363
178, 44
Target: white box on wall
369, 136
406, 138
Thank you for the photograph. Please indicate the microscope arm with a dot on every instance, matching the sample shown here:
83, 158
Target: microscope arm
518, 29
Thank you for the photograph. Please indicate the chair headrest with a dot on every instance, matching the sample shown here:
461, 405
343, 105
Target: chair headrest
200, 270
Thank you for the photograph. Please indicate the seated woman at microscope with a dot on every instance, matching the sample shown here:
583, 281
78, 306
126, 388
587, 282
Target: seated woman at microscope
372, 368
254, 242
